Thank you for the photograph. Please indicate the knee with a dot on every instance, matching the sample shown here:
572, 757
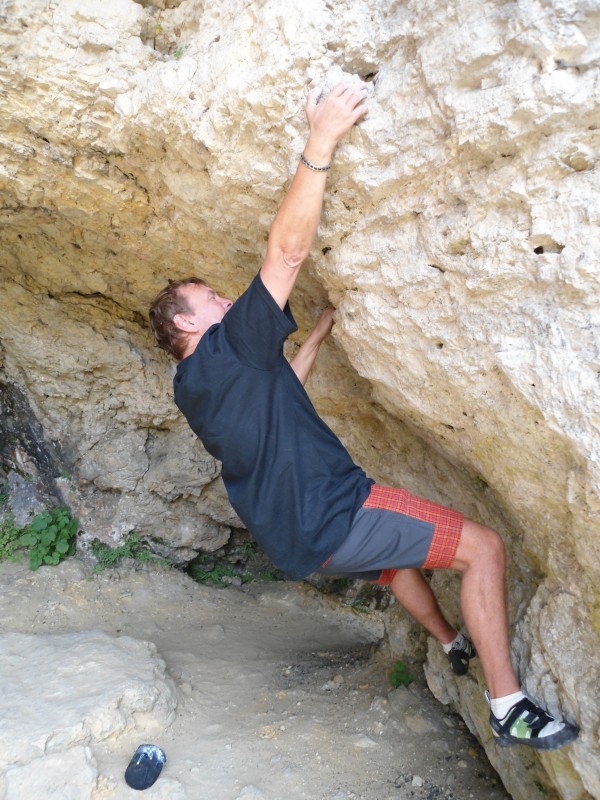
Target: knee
480, 544
495, 547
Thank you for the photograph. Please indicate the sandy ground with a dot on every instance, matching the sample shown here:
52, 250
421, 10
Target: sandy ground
282, 695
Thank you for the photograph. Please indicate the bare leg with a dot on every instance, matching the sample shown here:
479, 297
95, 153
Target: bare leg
413, 592
480, 558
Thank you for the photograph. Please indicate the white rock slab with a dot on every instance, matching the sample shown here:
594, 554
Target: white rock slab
63, 691
59, 776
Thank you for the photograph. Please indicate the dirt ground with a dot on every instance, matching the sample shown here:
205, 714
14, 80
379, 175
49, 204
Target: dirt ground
282, 692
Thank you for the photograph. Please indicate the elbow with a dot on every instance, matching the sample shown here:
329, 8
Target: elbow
289, 256
293, 259
289, 249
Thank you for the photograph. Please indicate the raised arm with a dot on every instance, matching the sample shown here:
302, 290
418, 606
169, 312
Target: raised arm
305, 357
295, 225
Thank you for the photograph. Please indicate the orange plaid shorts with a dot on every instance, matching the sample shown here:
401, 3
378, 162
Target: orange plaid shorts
447, 524
423, 535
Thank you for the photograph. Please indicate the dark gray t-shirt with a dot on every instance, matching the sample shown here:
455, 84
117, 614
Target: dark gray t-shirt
287, 475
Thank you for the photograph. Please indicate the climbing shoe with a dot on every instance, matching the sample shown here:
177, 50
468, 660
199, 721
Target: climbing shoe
461, 653
528, 724
145, 766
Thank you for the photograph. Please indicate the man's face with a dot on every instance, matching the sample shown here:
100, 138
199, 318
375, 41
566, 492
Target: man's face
206, 307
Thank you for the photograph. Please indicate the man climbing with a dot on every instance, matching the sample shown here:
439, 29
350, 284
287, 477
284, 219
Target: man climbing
290, 479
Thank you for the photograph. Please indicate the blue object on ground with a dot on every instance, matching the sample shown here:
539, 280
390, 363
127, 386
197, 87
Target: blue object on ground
145, 766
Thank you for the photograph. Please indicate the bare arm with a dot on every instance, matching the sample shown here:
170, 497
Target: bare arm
295, 224
306, 355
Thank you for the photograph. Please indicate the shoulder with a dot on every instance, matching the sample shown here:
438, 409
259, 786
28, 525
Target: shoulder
258, 304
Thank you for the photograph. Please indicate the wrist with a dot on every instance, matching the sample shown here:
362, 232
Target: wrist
314, 167
318, 152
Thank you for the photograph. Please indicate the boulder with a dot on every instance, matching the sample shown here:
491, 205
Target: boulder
147, 141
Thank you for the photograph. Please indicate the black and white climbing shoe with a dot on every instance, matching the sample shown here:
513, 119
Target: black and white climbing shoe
460, 655
528, 724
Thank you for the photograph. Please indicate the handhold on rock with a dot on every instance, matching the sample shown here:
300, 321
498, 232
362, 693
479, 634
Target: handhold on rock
145, 766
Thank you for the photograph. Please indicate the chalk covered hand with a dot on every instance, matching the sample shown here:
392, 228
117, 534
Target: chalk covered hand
330, 119
324, 324
305, 357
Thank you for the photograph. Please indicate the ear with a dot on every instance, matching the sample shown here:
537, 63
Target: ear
181, 323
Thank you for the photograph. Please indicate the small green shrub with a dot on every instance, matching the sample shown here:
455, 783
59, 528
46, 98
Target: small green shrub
400, 676
179, 53
215, 576
359, 608
132, 547
49, 537
9, 539
249, 550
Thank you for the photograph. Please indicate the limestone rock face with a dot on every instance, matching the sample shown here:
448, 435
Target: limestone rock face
146, 141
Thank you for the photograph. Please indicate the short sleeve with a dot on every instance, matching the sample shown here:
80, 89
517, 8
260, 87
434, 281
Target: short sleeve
256, 328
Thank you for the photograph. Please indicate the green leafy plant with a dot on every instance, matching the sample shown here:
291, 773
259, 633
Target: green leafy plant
215, 576
400, 676
249, 550
49, 537
180, 52
9, 539
132, 547
359, 608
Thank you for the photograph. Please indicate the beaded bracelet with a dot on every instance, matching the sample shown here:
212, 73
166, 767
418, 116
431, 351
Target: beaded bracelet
312, 166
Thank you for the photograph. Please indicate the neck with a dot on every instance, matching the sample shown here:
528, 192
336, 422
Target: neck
191, 344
